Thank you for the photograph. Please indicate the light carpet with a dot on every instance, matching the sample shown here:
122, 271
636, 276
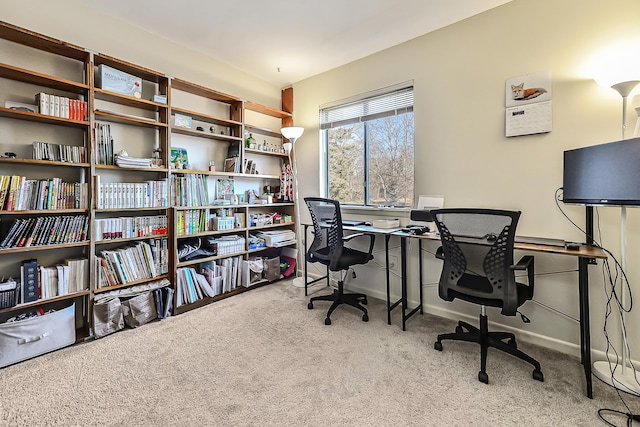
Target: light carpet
262, 358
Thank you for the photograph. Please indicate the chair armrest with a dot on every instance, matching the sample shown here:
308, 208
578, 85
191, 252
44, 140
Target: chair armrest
526, 263
372, 239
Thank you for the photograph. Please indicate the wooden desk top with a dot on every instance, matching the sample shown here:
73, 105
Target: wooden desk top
586, 251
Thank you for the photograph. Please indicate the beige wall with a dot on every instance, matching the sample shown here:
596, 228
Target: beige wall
459, 74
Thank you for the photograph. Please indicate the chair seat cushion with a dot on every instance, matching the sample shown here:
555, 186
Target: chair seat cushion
348, 258
351, 257
482, 284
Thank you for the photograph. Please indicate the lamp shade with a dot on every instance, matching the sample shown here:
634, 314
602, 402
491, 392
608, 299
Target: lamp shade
618, 67
292, 132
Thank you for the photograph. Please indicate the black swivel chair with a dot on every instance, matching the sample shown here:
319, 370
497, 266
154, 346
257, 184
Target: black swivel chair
328, 248
477, 249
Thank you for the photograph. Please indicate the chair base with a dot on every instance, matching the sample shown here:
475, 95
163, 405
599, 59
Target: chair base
340, 297
503, 341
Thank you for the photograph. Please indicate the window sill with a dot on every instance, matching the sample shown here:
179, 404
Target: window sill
374, 210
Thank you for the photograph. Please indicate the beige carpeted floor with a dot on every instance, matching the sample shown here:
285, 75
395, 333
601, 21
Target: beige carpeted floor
263, 359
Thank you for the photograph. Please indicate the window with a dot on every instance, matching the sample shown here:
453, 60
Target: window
369, 149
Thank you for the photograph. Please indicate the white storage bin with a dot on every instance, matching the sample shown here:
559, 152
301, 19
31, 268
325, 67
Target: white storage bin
35, 336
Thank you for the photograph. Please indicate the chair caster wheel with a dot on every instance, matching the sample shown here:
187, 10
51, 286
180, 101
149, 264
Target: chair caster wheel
437, 345
512, 343
537, 375
459, 329
364, 301
365, 317
327, 321
310, 306
483, 377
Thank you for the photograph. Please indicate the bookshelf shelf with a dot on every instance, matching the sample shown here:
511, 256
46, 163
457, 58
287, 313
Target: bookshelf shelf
119, 168
45, 212
43, 163
269, 111
262, 131
40, 118
210, 233
263, 227
129, 101
35, 78
44, 247
127, 120
210, 258
46, 301
205, 118
264, 153
128, 239
129, 284
204, 134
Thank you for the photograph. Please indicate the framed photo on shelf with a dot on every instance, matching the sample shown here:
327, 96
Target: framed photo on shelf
183, 121
231, 164
179, 157
224, 186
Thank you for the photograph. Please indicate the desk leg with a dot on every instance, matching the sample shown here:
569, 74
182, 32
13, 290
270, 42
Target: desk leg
421, 283
386, 251
585, 334
304, 255
403, 260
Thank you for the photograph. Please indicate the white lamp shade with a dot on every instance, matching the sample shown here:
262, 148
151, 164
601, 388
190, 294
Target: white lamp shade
292, 132
618, 64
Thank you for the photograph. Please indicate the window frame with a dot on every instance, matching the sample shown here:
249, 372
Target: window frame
400, 99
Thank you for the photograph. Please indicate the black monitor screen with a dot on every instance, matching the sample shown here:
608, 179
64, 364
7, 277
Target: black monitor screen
605, 174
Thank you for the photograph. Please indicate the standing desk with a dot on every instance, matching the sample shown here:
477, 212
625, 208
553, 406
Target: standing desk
585, 255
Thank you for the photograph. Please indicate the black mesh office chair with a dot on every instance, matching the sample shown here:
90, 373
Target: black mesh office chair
477, 249
328, 248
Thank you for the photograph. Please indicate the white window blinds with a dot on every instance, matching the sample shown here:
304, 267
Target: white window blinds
375, 106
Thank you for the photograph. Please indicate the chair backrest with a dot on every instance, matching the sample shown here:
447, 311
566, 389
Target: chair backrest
327, 231
477, 245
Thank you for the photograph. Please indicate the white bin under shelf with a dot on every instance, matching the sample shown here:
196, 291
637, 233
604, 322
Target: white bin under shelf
32, 337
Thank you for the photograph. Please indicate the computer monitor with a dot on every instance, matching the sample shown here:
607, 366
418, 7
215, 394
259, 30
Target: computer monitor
605, 174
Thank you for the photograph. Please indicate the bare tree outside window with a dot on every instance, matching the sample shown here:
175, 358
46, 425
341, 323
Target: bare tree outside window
371, 162
391, 160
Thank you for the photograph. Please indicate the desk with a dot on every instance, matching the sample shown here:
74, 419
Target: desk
585, 254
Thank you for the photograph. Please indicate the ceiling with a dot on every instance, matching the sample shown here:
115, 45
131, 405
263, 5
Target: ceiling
285, 41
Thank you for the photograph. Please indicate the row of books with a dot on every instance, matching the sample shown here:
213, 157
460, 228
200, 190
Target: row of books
61, 106
129, 227
59, 152
138, 261
40, 282
19, 193
103, 151
193, 221
189, 190
210, 279
123, 195
46, 230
